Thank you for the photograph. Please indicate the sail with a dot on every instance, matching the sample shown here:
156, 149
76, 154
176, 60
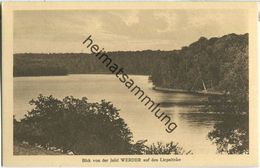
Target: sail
204, 86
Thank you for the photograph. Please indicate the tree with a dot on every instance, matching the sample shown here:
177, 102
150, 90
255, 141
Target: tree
75, 125
231, 135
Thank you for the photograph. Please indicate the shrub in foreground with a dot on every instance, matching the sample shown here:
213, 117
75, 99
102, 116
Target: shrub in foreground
77, 126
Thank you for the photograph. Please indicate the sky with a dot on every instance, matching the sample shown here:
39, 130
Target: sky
63, 31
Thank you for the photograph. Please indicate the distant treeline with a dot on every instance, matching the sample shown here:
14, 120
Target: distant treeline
133, 62
39, 70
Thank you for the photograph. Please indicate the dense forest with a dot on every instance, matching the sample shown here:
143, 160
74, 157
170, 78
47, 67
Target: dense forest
215, 61
220, 63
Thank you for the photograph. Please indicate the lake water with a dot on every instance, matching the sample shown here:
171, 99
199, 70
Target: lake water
193, 124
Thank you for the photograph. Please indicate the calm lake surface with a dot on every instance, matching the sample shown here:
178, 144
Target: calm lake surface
193, 124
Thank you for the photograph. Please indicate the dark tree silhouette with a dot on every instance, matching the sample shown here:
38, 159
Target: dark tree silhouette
231, 135
75, 125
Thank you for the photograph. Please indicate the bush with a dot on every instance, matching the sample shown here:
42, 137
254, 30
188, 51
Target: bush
75, 125
159, 148
231, 135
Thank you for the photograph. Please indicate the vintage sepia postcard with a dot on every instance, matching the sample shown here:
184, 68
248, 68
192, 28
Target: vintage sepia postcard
130, 84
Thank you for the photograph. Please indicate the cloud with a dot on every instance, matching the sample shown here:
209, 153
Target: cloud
64, 30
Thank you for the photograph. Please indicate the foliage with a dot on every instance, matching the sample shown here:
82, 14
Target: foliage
39, 70
222, 63
160, 148
231, 135
75, 125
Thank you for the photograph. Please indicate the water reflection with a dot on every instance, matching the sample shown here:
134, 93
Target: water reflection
200, 119
227, 130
